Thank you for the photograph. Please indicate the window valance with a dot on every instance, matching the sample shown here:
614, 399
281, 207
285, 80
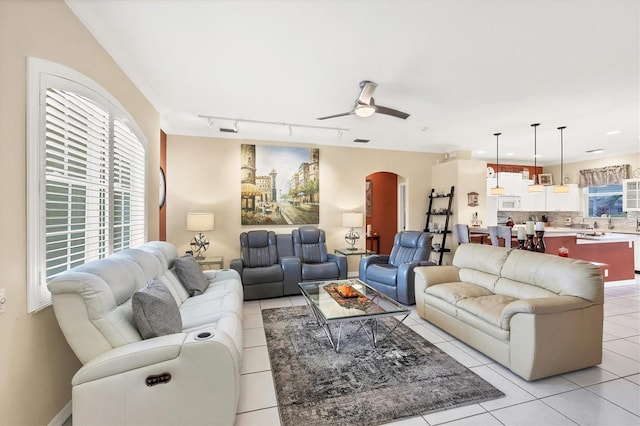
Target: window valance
610, 175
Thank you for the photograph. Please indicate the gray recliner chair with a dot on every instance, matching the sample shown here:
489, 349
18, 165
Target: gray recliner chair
264, 273
309, 245
393, 274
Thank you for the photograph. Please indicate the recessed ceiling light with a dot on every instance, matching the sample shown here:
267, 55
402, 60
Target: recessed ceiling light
537, 156
613, 132
509, 154
595, 151
481, 151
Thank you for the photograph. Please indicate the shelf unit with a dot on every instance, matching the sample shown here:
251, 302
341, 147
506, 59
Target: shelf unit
431, 211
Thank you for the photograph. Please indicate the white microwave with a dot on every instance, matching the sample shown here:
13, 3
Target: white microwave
508, 203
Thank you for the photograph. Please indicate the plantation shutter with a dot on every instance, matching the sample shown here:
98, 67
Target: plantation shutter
128, 188
76, 181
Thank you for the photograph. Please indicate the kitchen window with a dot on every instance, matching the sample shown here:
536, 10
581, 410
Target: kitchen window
86, 173
603, 201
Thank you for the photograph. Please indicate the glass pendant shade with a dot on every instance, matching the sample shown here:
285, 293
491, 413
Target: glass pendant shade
535, 188
559, 189
498, 190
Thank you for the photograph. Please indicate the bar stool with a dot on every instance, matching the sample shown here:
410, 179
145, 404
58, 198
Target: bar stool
497, 232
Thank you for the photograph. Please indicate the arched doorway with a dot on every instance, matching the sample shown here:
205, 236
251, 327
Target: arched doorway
382, 213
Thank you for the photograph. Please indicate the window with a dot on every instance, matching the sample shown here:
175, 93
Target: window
86, 176
604, 200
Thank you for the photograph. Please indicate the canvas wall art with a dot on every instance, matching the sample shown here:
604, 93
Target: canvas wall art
279, 185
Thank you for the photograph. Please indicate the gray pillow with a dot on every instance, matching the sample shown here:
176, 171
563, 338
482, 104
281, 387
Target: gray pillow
155, 311
190, 275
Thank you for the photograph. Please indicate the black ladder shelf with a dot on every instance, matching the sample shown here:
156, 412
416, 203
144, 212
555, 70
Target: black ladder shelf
442, 212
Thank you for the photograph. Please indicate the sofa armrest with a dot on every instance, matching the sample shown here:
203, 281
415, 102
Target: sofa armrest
405, 281
237, 265
370, 260
543, 305
341, 261
432, 275
292, 269
198, 378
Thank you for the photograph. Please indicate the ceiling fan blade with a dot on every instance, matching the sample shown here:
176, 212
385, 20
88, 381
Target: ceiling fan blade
368, 87
335, 115
392, 112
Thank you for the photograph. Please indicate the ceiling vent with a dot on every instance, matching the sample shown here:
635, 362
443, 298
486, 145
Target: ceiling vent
361, 140
227, 130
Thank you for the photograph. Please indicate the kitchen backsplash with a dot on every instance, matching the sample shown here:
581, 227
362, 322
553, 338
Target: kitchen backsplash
558, 219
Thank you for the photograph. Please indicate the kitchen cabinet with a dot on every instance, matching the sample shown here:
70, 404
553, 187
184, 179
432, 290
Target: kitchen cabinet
631, 195
511, 182
562, 202
532, 201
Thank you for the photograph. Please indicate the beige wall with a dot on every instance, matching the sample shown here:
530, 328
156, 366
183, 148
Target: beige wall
572, 170
36, 365
204, 174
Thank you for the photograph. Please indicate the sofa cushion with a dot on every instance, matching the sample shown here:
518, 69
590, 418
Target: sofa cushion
261, 275
190, 275
453, 292
481, 257
155, 311
563, 276
319, 271
382, 273
488, 308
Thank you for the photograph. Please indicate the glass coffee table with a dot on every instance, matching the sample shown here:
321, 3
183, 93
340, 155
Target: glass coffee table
340, 301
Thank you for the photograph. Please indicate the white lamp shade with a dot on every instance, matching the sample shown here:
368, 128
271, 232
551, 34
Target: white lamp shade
352, 220
535, 188
200, 221
497, 190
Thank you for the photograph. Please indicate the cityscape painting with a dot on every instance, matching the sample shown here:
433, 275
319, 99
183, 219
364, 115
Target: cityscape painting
279, 185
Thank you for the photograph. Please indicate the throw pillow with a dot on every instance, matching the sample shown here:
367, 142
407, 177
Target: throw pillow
190, 275
155, 311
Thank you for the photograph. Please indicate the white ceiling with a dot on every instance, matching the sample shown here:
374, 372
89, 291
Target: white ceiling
463, 70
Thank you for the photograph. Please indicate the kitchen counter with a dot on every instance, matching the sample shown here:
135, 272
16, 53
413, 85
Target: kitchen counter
614, 248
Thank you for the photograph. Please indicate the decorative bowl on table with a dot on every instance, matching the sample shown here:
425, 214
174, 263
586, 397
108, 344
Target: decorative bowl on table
347, 291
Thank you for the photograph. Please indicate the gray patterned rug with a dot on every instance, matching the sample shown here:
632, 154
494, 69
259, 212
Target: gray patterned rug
404, 376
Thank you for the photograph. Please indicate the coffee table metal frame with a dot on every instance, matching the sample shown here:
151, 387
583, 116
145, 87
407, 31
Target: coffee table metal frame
382, 306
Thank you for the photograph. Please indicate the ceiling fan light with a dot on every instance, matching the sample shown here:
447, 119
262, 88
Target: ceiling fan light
364, 110
535, 188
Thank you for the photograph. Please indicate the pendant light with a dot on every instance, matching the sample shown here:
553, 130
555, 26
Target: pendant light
535, 187
561, 188
498, 190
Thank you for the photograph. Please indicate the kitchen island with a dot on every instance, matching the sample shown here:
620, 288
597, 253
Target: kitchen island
615, 249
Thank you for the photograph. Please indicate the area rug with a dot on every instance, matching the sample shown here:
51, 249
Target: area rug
405, 376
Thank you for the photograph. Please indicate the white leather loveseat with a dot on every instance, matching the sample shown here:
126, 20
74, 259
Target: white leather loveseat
537, 314
186, 377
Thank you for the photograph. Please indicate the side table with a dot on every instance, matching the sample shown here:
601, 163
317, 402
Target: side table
375, 239
357, 252
210, 262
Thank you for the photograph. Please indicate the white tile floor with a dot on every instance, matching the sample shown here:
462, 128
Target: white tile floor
608, 394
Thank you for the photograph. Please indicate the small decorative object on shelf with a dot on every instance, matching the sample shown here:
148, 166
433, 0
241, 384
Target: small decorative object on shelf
440, 228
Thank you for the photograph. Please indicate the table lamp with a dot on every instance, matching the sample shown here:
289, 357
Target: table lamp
200, 222
352, 220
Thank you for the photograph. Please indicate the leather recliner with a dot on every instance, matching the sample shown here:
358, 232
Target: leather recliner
263, 271
309, 245
393, 274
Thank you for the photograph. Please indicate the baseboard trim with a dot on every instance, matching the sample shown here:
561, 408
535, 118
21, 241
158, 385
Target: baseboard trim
62, 416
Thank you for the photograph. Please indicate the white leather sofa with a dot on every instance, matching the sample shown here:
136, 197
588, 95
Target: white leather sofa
537, 314
190, 377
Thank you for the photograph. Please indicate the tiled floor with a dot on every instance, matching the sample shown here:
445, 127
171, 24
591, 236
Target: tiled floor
608, 394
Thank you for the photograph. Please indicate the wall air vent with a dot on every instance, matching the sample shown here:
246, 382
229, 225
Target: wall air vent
361, 140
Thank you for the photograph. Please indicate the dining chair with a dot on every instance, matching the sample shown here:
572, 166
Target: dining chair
461, 232
497, 232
